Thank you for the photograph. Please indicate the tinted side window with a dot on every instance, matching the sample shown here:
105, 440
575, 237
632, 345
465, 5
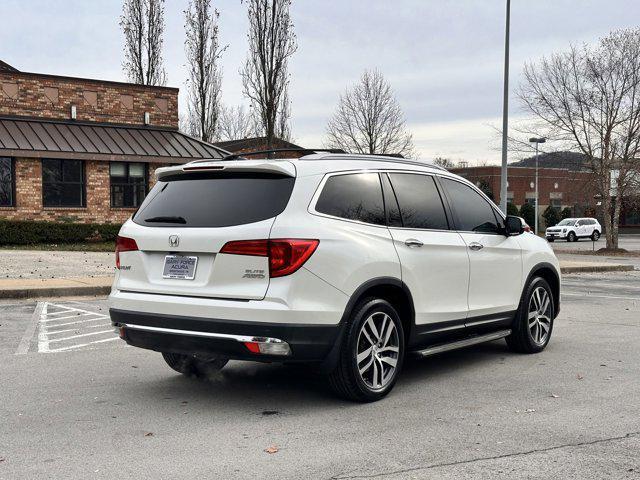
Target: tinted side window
356, 196
473, 212
419, 200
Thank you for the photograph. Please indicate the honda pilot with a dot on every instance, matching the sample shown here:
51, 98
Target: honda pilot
347, 263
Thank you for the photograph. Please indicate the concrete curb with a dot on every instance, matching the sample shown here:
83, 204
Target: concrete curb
37, 292
595, 268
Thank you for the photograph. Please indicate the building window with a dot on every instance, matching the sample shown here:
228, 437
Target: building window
7, 182
63, 183
556, 203
128, 184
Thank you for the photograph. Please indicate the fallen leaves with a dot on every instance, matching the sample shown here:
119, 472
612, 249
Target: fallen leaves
553, 395
579, 376
272, 449
148, 434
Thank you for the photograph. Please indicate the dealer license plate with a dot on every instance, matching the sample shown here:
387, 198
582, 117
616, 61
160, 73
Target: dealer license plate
179, 267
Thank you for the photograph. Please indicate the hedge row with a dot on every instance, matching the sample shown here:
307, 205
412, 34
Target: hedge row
16, 232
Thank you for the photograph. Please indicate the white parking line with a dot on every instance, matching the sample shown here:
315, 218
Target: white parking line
25, 342
65, 349
53, 337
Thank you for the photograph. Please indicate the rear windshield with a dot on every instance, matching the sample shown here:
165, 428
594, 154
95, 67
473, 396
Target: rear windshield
214, 199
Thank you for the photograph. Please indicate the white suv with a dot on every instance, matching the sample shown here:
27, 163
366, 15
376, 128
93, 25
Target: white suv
346, 262
572, 229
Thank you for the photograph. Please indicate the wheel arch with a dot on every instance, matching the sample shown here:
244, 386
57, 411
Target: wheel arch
391, 289
550, 274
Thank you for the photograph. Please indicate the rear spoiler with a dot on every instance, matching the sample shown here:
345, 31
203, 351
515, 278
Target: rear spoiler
256, 166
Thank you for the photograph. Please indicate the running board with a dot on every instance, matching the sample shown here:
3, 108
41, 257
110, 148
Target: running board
467, 342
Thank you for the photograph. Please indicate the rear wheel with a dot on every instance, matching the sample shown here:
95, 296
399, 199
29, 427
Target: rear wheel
595, 235
572, 237
534, 320
192, 366
371, 353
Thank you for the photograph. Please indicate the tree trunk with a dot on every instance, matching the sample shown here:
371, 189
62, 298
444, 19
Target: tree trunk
616, 219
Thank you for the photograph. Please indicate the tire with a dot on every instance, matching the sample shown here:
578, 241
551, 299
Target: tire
191, 366
571, 237
595, 235
386, 346
550, 240
533, 335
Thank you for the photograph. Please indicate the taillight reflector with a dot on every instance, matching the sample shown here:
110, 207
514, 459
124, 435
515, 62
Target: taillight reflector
124, 244
286, 255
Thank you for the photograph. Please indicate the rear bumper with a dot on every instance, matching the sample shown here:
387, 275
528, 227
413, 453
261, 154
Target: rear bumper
209, 336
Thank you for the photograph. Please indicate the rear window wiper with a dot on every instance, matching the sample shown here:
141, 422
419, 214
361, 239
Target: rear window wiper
165, 220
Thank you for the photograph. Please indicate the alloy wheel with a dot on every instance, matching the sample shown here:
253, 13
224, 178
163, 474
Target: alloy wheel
378, 350
539, 317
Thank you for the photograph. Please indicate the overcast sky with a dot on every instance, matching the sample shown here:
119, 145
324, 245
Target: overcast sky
442, 57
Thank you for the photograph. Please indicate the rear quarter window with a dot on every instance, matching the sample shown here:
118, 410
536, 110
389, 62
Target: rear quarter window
356, 196
214, 199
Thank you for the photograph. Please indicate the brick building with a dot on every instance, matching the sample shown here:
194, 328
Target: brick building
559, 187
245, 145
74, 149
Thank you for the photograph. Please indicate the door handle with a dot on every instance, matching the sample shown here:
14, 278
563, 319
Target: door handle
476, 246
413, 242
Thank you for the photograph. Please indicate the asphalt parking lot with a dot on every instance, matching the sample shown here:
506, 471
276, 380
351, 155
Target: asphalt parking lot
76, 403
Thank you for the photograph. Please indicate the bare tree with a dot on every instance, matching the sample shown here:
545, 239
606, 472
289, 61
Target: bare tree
265, 77
236, 123
369, 119
142, 22
205, 78
589, 99
444, 162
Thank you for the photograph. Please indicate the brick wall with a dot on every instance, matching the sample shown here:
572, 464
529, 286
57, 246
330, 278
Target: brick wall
575, 187
49, 96
98, 196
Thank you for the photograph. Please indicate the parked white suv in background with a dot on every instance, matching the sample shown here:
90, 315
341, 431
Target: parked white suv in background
572, 229
346, 262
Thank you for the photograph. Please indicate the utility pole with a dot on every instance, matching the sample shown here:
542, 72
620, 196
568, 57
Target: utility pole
505, 115
537, 141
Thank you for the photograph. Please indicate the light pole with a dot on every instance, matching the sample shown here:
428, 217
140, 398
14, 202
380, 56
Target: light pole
537, 141
505, 115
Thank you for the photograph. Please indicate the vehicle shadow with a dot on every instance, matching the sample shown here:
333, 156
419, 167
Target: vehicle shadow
276, 387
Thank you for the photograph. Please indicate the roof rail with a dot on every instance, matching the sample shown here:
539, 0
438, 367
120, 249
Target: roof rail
370, 157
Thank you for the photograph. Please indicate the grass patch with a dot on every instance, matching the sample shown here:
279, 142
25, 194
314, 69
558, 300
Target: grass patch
68, 247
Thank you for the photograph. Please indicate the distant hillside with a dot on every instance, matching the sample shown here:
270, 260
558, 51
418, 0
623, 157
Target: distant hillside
570, 160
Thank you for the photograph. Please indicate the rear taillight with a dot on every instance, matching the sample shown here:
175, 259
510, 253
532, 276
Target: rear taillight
286, 255
124, 244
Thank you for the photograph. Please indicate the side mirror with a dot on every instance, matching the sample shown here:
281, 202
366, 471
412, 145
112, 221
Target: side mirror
513, 226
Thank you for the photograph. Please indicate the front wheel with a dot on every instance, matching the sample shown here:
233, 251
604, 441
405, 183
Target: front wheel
534, 320
371, 353
193, 366
595, 235
572, 237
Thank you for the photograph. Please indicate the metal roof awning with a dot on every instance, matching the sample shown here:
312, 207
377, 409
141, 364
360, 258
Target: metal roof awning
40, 138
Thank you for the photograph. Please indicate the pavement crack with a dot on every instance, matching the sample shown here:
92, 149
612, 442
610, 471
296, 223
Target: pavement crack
480, 459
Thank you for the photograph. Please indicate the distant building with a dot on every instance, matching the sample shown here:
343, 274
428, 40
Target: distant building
570, 186
76, 149
244, 145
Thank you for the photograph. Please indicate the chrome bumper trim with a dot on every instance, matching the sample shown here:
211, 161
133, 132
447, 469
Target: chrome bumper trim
193, 333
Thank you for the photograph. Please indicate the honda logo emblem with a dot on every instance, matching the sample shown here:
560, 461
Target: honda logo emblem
174, 240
